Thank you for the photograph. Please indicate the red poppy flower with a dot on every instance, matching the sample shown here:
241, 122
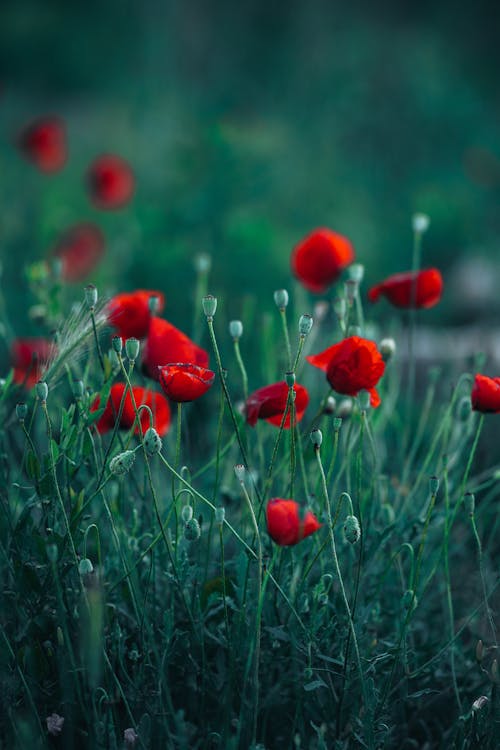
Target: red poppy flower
284, 524
129, 312
352, 365
485, 394
80, 249
410, 289
111, 182
156, 402
269, 403
166, 344
43, 142
319, 259
29, 358
184, 381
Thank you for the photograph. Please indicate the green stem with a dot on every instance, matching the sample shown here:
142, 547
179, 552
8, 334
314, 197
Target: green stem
244, 376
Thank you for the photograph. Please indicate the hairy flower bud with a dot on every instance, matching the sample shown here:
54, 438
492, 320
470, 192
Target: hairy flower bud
352, 529
281, 298
85, 566
42, 390
186, 513
152, 441
387, 348
316, 438
192, 531
122, 463
330, 405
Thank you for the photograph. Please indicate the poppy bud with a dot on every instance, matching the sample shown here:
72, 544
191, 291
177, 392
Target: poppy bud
330, 404
464, 409
433, 485
337, 424
202, 263
90, 296
42, 390
240, 472
290, 379
153, 304
78, 388
345, 408
85, 566
187, 513
364, 397
316, 438
117, 344
479, 651
305, 324
122, 463
209, 304
132, 347
192, 531
55, 724
479, 703
354, 331
281, 298
356, 272
352, 530
236, 329
387, 348
130, 737
340, 307
220, 514
420, 223
152, 441
470, 503
21, 411
351, 288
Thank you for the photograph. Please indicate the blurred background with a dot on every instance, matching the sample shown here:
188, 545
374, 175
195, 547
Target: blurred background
248, 124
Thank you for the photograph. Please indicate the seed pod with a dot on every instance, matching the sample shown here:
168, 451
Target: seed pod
209, 304
305, 324
281, 298
42, 390
90, 296
117, 344
132, 347
21, 411
236, 329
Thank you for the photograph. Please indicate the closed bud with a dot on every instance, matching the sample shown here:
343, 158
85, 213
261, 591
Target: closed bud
290, 379
236, 329
364, 400
220, 515
85, 566
340, 307
21, 412
352, 529
192, 531
470, 503
305, 324
117, 344
316, 438
52, 553
132, 347
354, 331
240, 472
281, 298
387, 348
130, 737
345, 408
480, 703
203, 263
464, 409
479, 651
42, 390
78, 388
122, 463
433, 485
152, 441
330, 405
154, 304
337, 424
209, 303
90, 296
187, 513
356, 271
420, 223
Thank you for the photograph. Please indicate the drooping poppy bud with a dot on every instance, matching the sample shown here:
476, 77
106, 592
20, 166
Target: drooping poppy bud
319, 259
419, 289
285, 525
184, 381
270, 402
43, 142
79, 249
485, 394
130, 312
111, 182
352, 365
165, 344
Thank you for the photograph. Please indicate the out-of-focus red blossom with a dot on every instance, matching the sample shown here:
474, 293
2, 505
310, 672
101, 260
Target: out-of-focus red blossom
29, 357
485, 394
80, 249
156, 402
129, 312
183, 381
111, 182
284, 524
410, 289
43, 142
352, 365
165, 344
269, 403
319, 259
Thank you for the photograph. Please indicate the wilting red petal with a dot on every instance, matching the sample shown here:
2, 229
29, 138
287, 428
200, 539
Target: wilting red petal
485, 394
420, 289
29, 357
165, 344
80, 249
184, 381
43, 142
352, 365
284, 524
269, 403
156, 402
319, 259
129, 312
111, 182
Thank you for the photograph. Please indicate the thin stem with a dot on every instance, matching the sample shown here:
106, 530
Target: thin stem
286, 335
483, 579
244, 376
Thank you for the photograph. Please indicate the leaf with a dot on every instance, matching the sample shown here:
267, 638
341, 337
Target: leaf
315, 685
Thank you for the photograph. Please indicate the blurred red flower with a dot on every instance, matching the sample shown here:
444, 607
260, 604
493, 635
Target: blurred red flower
165, 344
29, 357
156, 402
111, 182
269, 403
129, 312
284, 524
80, 249
410, 289
352, 365
185, 382
319, 259
485, 394
43, 142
